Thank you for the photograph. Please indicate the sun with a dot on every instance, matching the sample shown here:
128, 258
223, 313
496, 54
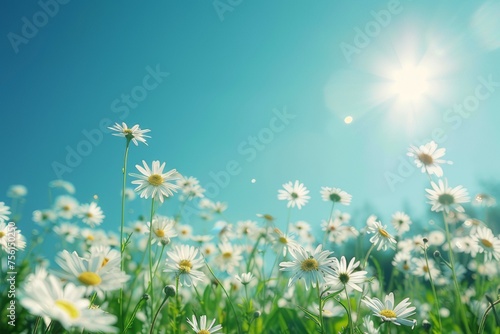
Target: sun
410, 84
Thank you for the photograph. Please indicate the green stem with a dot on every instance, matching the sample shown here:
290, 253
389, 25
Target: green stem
455, 281
483, 319
349, 308
156, 314
151, 284
365, 261
134, 312
177, 306
433, 288
320, 303
122, 223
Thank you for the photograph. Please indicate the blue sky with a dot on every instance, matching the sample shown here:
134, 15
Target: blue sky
207, 77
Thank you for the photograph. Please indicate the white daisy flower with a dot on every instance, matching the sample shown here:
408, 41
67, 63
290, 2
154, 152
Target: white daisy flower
335, 195
444, 198
184, 231
66, 206
67, 304
202, 327
282, 242
369, 326
381, 237
312, 267
473, 224
6, 241
91, 214
218, 207
295, 194
427, 157
110, 256
421, 269
69, 232
185, 263
129, 194
301, 228
389, 313
153, 182
208, 249
17, 191
163, 229
245, 278
403, 262
401, 222
487, 243
229, 257
42, 217
248, 229
134, 133
4, 212
190, 187
483, 199
67, 186
436, 238
344, 275
90, 273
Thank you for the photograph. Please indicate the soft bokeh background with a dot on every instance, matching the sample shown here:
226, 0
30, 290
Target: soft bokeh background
232, 65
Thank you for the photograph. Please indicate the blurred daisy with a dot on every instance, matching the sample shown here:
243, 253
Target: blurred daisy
184, 231
401, 222
202, 327
335, 195
282, 242
302, 228
190, 187
90, 273
389, 313
153, 182
17, 191
185, 263
444, 198
163, 229
473, 224
421, 269
202, 238
403, 262
345, 276
436, 238
483, 199
248, 229
427, 158
208, 249
329, 309
129, 194
245, 278
6, 240
66, 206
91, 214
205, 203
381, 237
67, 186
295, 194
67, 304
229, 257
110, 256
42, 217
312, 267
67, 231
487, 243
134, 133
138, 227
4, 212
266, 217
218, 207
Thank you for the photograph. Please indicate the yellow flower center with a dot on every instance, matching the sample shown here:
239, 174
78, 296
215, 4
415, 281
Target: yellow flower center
204, 331
486, 243
425, 268
383, 233
155, 180
185, 266
127, 131
69, 308
227, 255
90, 237
268, 217
2, 234
89, 278
160, 233
388, 314
66, 208
283, 240
104, 262
426, 159
309, 264
89, 215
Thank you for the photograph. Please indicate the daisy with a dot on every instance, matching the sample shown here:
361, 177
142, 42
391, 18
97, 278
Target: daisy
229, 257
208, 249
302, 228
282, 242
67, 186
48, 297
110, 256
4, 212
134, 133
90, 273
381, 237
184, 231
266, 217
472, 225
218, 207
483, 199
335, 195
6, 242
247, 228
403, 262
190, 187
17, 191
444, 198
153, 182
369, 326
487, 243
185, 263
421, 269
202, 328
388, 313
66, 206
163, 229
427, 157
401, 222
295, 194
245, 278
345, 276
91, 214
313, 267
41, 217
67, 231
335, 229
129, 194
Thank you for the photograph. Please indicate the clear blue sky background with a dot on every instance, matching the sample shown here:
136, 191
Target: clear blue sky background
227, 73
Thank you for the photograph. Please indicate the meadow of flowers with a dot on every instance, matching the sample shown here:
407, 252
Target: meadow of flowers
155, 274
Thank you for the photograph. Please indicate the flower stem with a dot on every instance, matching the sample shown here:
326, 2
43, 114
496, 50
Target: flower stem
455, 281
349, 315
151, 289
122, 223
433, 288
320, 303
365, 261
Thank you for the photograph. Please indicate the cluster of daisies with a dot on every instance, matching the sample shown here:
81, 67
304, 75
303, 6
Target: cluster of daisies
155, 275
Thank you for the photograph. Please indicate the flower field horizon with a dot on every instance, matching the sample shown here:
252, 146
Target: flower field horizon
250, 276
